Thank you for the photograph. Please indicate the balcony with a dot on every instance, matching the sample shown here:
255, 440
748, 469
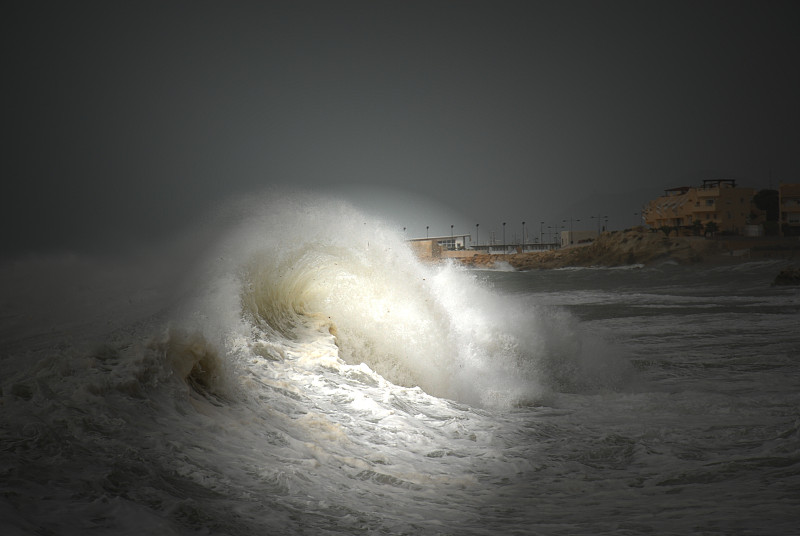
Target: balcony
708, 192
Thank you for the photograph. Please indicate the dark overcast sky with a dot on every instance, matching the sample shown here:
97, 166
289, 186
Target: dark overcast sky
122, 120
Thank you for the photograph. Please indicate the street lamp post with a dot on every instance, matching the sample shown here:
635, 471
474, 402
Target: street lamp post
427, 227
504, 237
555, 233
570, 228
523, 237
477, 236
598, 223
599, 219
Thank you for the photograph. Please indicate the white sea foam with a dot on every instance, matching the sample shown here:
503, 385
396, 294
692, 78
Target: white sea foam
305, 269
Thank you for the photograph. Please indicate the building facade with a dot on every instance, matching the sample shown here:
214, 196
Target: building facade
719, 201
573, 238
436, 247
789, 206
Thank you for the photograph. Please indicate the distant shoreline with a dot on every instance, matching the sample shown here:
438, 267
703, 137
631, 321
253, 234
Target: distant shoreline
631, 247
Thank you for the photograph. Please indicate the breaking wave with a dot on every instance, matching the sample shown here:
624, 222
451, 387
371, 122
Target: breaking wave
319, 274
309, 374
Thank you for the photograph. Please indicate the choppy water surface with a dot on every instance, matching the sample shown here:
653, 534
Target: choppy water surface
327, 383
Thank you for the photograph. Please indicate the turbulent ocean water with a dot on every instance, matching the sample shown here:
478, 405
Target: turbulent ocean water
307, 375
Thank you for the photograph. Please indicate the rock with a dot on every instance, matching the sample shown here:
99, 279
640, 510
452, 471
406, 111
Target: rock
637, 246
789, 276
610, 249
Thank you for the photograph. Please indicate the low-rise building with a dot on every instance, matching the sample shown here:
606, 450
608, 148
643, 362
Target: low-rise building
718, 201
434, 247
577, 238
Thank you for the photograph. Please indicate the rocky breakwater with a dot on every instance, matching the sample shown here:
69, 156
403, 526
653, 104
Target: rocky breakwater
617, 248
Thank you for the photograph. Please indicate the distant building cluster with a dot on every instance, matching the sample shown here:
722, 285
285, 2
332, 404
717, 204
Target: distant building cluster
455, 246
720, 206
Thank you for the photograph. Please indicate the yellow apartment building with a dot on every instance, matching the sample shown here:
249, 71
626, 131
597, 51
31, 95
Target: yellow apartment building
718, 200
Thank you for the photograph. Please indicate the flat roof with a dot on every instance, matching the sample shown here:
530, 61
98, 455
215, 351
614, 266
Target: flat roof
448, 237
789, 190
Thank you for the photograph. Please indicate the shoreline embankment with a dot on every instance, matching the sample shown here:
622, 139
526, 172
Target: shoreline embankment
639, 246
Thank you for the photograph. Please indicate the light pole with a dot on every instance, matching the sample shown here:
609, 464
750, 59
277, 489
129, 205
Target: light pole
599, 218
523, 237
477, 236
452, 238
541, 232
427, 227
555, 233
570, 228
504, 237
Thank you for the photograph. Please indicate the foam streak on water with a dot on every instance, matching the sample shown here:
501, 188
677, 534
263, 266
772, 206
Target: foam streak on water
313, 378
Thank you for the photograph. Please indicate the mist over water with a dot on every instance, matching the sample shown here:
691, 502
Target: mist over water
293, 368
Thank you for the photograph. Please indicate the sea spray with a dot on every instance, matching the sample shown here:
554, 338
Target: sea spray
307, 270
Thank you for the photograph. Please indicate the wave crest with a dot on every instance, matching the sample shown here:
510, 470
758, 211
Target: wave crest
370, 293
317, 272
